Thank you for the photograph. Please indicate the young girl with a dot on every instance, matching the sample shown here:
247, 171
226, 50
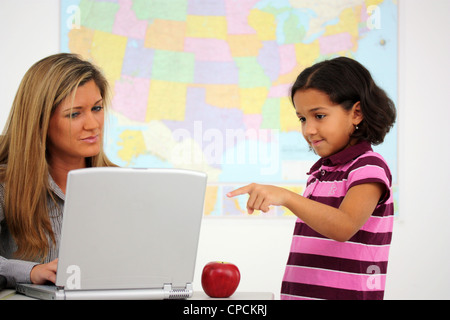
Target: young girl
341, 240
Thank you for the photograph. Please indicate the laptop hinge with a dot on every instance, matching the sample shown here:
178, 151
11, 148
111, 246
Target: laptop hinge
178, 293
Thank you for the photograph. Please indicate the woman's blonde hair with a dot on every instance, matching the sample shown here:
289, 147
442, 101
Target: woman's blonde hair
23, 160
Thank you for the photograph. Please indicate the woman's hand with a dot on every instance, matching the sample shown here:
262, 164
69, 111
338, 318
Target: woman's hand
42, 273
262, 196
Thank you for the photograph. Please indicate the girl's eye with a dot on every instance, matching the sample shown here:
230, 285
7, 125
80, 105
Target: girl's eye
302, 119
320, 116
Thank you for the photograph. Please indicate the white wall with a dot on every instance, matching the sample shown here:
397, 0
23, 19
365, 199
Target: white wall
420, 255
29, 31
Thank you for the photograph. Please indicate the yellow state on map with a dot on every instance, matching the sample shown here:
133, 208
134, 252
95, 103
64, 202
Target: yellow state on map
349, 21
206, 27
253, 99
210, 199
288, 78
288, 117
373, 2
264, 23
244, 45
222, 95
133, 145
307, 54
295, 189
166, 101
108, 51
166, 35
80, 41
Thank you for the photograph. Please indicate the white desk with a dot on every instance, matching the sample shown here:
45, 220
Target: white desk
9, 294
198, 295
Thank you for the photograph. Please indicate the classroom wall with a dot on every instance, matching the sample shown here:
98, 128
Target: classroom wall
419, 265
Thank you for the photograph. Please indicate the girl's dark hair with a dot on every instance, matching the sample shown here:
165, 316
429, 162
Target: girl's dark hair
346, 82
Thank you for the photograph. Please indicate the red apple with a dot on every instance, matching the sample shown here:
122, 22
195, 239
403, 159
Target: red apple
220, 279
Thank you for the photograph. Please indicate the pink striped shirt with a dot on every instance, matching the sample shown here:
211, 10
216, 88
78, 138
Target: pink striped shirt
321, 268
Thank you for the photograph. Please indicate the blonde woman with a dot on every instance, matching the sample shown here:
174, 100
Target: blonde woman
55, 125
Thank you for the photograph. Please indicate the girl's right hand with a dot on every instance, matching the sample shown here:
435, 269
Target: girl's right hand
262, 196
42, 273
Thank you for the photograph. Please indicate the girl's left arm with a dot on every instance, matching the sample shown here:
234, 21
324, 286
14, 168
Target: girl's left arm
339, 224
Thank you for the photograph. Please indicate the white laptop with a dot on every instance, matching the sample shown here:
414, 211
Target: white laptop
127, 234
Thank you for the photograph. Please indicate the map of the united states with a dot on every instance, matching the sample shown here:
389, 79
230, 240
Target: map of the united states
204, 84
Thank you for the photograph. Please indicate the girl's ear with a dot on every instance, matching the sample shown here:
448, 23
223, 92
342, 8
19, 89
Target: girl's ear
357, 115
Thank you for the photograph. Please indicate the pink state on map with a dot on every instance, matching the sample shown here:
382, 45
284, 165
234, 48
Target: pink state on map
237, 16
126, 24
280, 91
208, 49
288, 59
130, 98
253, 128
252, 122
364, 14
335, 43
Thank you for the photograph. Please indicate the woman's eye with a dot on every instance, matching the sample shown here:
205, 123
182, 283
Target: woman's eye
97, 108
73, 115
